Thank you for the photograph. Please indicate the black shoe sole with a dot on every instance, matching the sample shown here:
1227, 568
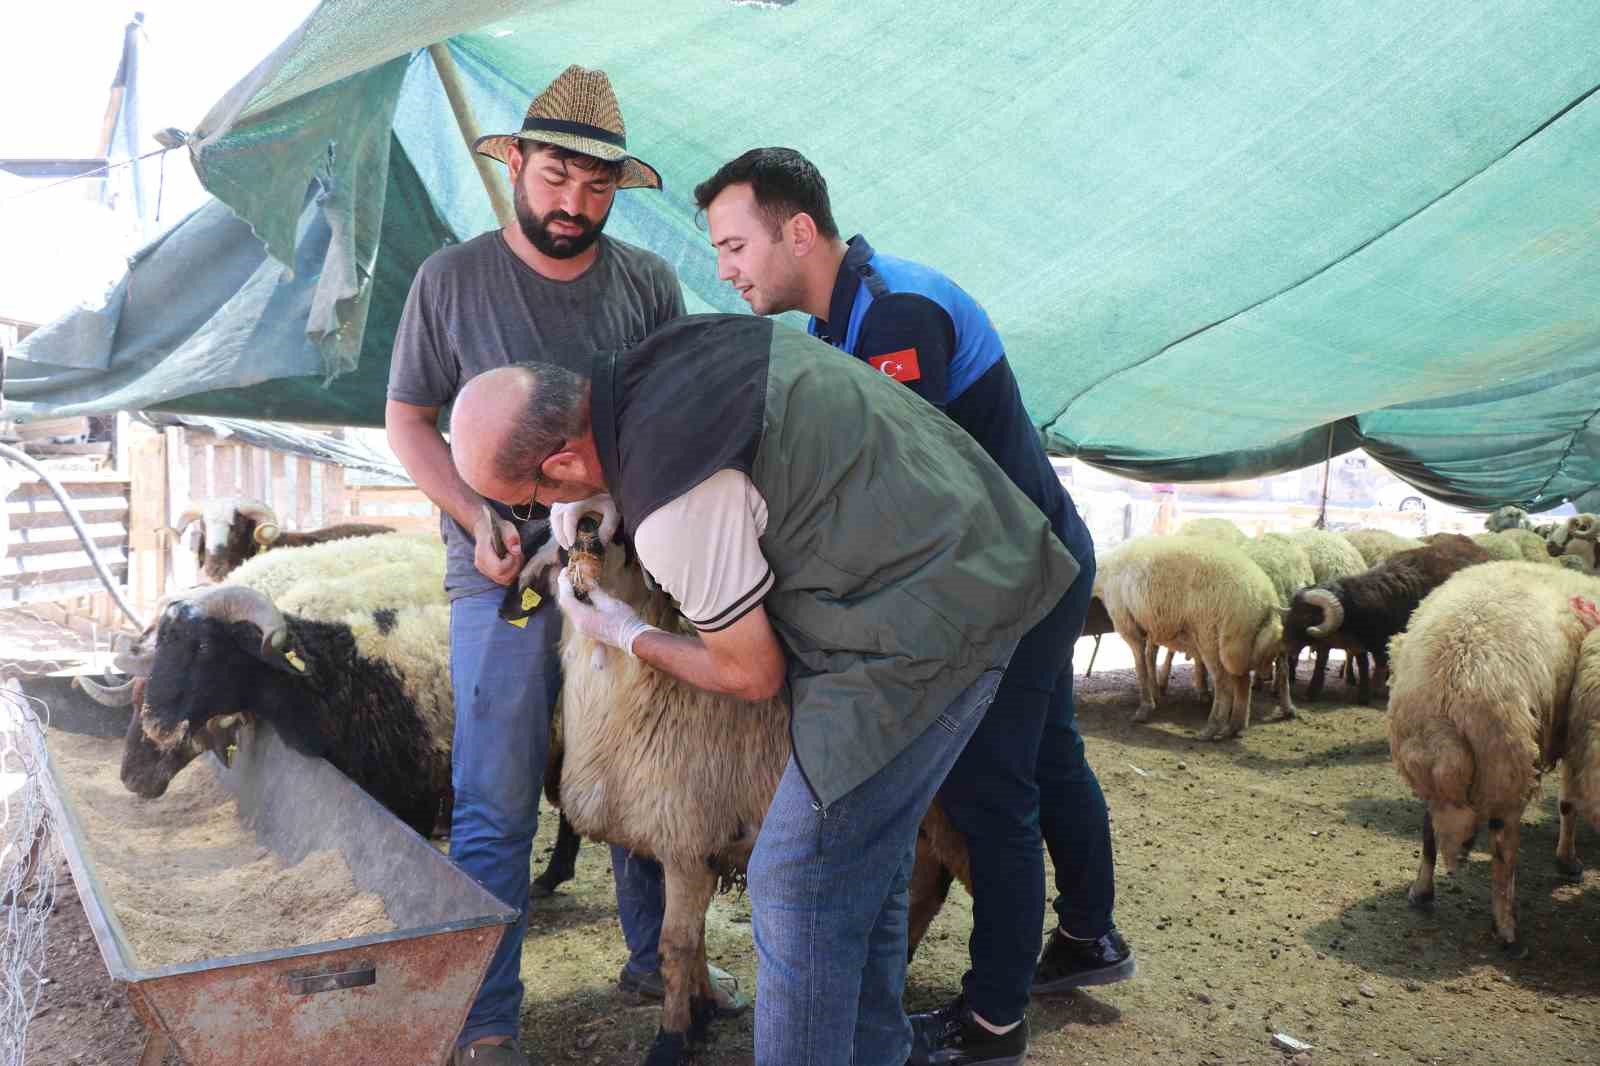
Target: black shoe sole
1109, 975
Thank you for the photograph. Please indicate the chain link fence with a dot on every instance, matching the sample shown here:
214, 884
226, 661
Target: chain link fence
29, 861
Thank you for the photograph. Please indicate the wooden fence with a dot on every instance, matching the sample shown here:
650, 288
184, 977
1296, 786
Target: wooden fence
169, 472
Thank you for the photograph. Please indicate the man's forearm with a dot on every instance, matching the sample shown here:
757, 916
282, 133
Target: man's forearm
687, 659
426, 457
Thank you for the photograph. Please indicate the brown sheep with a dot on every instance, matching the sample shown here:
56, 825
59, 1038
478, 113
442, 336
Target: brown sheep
236, 528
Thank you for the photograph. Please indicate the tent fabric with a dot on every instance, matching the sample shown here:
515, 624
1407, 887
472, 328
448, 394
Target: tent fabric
1218, 239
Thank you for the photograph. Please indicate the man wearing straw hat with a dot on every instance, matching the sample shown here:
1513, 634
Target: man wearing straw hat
547, 286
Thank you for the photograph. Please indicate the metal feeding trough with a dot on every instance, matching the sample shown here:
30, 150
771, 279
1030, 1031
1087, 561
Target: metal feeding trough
395, 999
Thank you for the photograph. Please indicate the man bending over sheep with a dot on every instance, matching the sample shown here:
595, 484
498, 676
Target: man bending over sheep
551, 286
1024, 773
762, 481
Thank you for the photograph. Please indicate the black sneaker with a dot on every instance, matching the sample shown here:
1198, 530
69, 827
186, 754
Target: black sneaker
951, 1036
1067, 963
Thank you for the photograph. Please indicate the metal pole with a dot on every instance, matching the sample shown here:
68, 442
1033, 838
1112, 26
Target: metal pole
493, 180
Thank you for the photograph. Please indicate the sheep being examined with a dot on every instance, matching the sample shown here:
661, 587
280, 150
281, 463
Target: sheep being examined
1204, 598
1482, 685
236, 528
685, 776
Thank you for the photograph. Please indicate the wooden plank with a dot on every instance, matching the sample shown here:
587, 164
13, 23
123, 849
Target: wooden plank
260, 478
280, 498
49, 594
200, 471
98, 487
57, 519
60, 577
302, 494
335, 507
63, 547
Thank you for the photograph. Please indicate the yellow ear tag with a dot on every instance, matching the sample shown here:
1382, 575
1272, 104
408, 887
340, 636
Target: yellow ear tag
294, 660
520, 623
530, 599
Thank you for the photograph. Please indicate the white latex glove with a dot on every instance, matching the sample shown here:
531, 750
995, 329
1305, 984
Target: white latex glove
604, 618
564, 518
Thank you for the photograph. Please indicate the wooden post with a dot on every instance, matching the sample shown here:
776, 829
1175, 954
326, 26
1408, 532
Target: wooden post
494, 179
302, 493
279, 499
334, 500
148, 504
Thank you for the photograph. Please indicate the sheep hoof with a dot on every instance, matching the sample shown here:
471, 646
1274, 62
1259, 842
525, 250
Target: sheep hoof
669, 1049
1420, 901
1571, 867
1513, 949
1143, 713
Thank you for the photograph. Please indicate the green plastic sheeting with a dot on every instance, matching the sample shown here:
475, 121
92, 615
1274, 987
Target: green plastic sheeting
1219, 239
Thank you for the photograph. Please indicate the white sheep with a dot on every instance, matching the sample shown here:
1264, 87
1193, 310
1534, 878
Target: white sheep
321, 580
1580, 762
1507, 517
1515, 545
1576, 538
1205, 598
1480, 685
1375, 545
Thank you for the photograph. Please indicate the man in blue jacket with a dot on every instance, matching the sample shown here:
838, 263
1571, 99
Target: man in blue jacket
1023, 773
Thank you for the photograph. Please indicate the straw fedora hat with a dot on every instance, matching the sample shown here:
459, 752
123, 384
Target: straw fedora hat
578, 111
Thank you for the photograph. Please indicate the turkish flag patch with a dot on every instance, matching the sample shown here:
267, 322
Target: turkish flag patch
901, 365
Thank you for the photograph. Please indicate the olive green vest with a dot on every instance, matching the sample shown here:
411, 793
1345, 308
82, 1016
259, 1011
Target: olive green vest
906, 563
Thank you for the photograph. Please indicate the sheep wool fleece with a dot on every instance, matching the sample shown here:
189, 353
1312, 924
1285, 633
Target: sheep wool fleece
906, 563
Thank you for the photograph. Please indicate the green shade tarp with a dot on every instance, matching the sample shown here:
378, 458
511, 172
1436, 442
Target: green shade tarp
1218, 239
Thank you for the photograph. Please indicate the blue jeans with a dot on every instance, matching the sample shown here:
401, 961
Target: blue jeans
505, 681
1023, 776
828, 895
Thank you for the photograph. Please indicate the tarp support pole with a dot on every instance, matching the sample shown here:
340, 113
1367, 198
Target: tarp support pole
493, 182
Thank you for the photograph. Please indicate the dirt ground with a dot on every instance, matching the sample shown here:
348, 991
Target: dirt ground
1261, 882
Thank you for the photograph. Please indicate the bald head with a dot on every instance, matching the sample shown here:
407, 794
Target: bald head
522, 427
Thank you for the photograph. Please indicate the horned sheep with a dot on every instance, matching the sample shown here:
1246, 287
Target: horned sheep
1576, 538
1363, 611
1507, 517
234, 529
369, 691
1203, 597
1482, 683
1332, 558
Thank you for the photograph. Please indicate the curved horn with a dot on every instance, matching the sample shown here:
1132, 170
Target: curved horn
267, 526
109, 695
235, 603
185, 520
1581, 525
1332, 611
135, 662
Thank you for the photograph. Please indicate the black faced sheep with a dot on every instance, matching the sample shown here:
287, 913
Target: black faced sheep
1360, 613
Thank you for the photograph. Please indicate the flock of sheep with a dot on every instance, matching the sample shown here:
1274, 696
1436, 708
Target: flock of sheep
1484, 643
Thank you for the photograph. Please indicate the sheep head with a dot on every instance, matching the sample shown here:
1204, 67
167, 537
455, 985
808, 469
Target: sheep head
1332, 611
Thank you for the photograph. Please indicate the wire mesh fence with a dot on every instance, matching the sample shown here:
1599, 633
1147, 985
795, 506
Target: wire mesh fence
29, 861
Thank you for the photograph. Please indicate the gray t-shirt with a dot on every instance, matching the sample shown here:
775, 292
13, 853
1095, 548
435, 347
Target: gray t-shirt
475, 306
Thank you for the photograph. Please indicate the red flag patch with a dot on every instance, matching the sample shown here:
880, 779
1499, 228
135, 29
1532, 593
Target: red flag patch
901, 365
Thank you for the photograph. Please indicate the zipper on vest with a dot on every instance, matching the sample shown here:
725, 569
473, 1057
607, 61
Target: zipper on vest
794, 753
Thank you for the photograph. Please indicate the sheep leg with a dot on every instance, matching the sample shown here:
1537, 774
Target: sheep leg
1202, 676
1221, 707
1285, 685
1505, 834
1166, 672
563, 864
1364, 692
1420, 896
1095, 651
687, 1006
1319, 673
930, 885
1239, 713
1567, 844
1144, 665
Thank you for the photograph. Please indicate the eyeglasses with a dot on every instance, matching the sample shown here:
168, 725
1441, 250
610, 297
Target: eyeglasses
538, 479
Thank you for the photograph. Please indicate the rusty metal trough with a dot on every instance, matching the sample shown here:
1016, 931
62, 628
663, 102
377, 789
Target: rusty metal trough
394, 999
